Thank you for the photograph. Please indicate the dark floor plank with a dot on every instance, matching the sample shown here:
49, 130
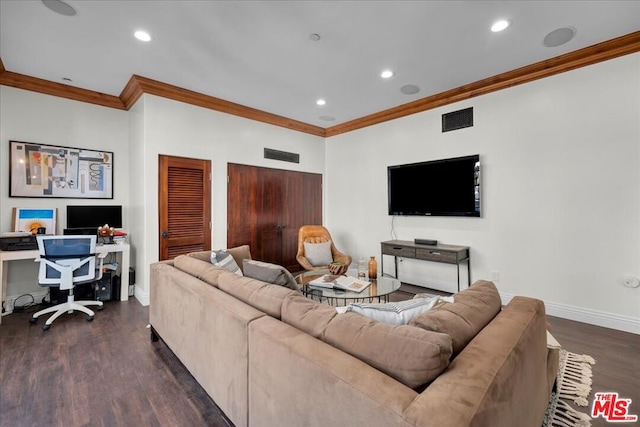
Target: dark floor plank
101, 373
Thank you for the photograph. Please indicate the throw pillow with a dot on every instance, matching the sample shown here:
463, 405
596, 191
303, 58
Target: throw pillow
270, 273
318, 254
223, 259
392, 313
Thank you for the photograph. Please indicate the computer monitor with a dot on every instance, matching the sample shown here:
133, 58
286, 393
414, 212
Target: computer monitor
93, 216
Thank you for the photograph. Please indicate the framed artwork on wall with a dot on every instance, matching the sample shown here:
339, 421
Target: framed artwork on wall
35, 220
39, 170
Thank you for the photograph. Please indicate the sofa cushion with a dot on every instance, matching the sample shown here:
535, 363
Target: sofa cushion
392, 313
270, 273
318, 254
307, 315
202, 270
264, 296
223, 259
472, 310
411, 355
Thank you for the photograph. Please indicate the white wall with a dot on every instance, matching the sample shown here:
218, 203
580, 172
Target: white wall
137, 207
561, 183
178, 129
560, 191
33, 117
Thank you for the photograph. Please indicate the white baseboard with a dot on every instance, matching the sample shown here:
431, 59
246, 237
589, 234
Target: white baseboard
141, 296
585, 315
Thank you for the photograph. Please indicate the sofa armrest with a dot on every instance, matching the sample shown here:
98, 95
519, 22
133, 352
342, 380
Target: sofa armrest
499, 379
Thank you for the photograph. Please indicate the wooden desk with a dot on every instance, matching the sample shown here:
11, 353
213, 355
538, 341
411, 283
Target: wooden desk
123, 250
448, 254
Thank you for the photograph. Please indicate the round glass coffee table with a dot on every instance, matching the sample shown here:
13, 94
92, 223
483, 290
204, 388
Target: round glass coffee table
378, 291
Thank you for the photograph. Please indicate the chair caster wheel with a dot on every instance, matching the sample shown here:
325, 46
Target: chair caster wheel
100, 307
33, 320
90, 319
45, 327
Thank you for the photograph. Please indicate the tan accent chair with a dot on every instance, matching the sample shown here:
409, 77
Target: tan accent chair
317, 234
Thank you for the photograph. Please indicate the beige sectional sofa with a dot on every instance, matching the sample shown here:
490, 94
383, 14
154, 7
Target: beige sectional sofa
270, 357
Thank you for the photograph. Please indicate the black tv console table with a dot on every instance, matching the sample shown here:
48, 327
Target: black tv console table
448, 254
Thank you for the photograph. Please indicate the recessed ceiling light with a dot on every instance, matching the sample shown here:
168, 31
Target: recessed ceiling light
500, 25
67, 79
327, 118
321, 102
410, 89
559, 37
314, 37
60, 7
142, 36
386, 74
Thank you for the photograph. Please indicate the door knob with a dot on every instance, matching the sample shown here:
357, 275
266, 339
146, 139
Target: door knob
165, 234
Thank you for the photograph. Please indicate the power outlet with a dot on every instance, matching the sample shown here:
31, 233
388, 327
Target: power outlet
495, 276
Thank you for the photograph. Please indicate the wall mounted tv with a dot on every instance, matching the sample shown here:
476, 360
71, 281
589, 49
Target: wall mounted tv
447, 187
94, 216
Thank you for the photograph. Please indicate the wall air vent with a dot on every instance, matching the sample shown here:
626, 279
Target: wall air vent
284, 156
457, 119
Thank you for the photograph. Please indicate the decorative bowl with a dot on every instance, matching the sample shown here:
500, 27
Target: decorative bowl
338, 268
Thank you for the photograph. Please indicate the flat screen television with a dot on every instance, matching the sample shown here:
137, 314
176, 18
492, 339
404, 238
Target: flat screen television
447, 187
94, 216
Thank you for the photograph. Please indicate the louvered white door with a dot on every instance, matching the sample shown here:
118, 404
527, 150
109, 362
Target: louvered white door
184, 206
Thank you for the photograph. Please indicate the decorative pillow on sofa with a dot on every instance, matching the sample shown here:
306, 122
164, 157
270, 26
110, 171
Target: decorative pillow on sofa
472, 310
223, 259
392, 313
318, 254
270, 273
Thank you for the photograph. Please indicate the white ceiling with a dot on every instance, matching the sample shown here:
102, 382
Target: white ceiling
258, 53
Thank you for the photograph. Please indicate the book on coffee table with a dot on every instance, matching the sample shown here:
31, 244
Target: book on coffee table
344, 283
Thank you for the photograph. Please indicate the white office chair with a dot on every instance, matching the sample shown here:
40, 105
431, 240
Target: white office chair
66, 261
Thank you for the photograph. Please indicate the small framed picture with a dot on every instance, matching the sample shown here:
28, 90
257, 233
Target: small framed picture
35, 220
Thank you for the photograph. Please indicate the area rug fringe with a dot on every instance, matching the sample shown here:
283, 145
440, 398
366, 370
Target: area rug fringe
572, 384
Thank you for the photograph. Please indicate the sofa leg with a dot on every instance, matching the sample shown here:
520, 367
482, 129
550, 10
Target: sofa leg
154, 335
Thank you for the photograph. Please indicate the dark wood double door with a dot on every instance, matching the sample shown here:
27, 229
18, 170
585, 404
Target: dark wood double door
266, 207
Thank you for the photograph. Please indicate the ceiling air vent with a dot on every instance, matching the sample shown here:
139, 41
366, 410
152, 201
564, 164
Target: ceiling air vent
281, 155
457, 119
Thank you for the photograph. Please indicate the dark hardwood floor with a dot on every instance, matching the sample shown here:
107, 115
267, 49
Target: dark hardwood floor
101, 373
108, 373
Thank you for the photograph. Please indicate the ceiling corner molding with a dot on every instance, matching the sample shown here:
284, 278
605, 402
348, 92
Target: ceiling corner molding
590, 55
165, 90
131, 92
34, 84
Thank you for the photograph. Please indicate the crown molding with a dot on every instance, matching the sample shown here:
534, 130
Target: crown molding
604, 51
137, 86
34, 84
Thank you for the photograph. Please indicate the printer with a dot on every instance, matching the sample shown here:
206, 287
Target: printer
18, 242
